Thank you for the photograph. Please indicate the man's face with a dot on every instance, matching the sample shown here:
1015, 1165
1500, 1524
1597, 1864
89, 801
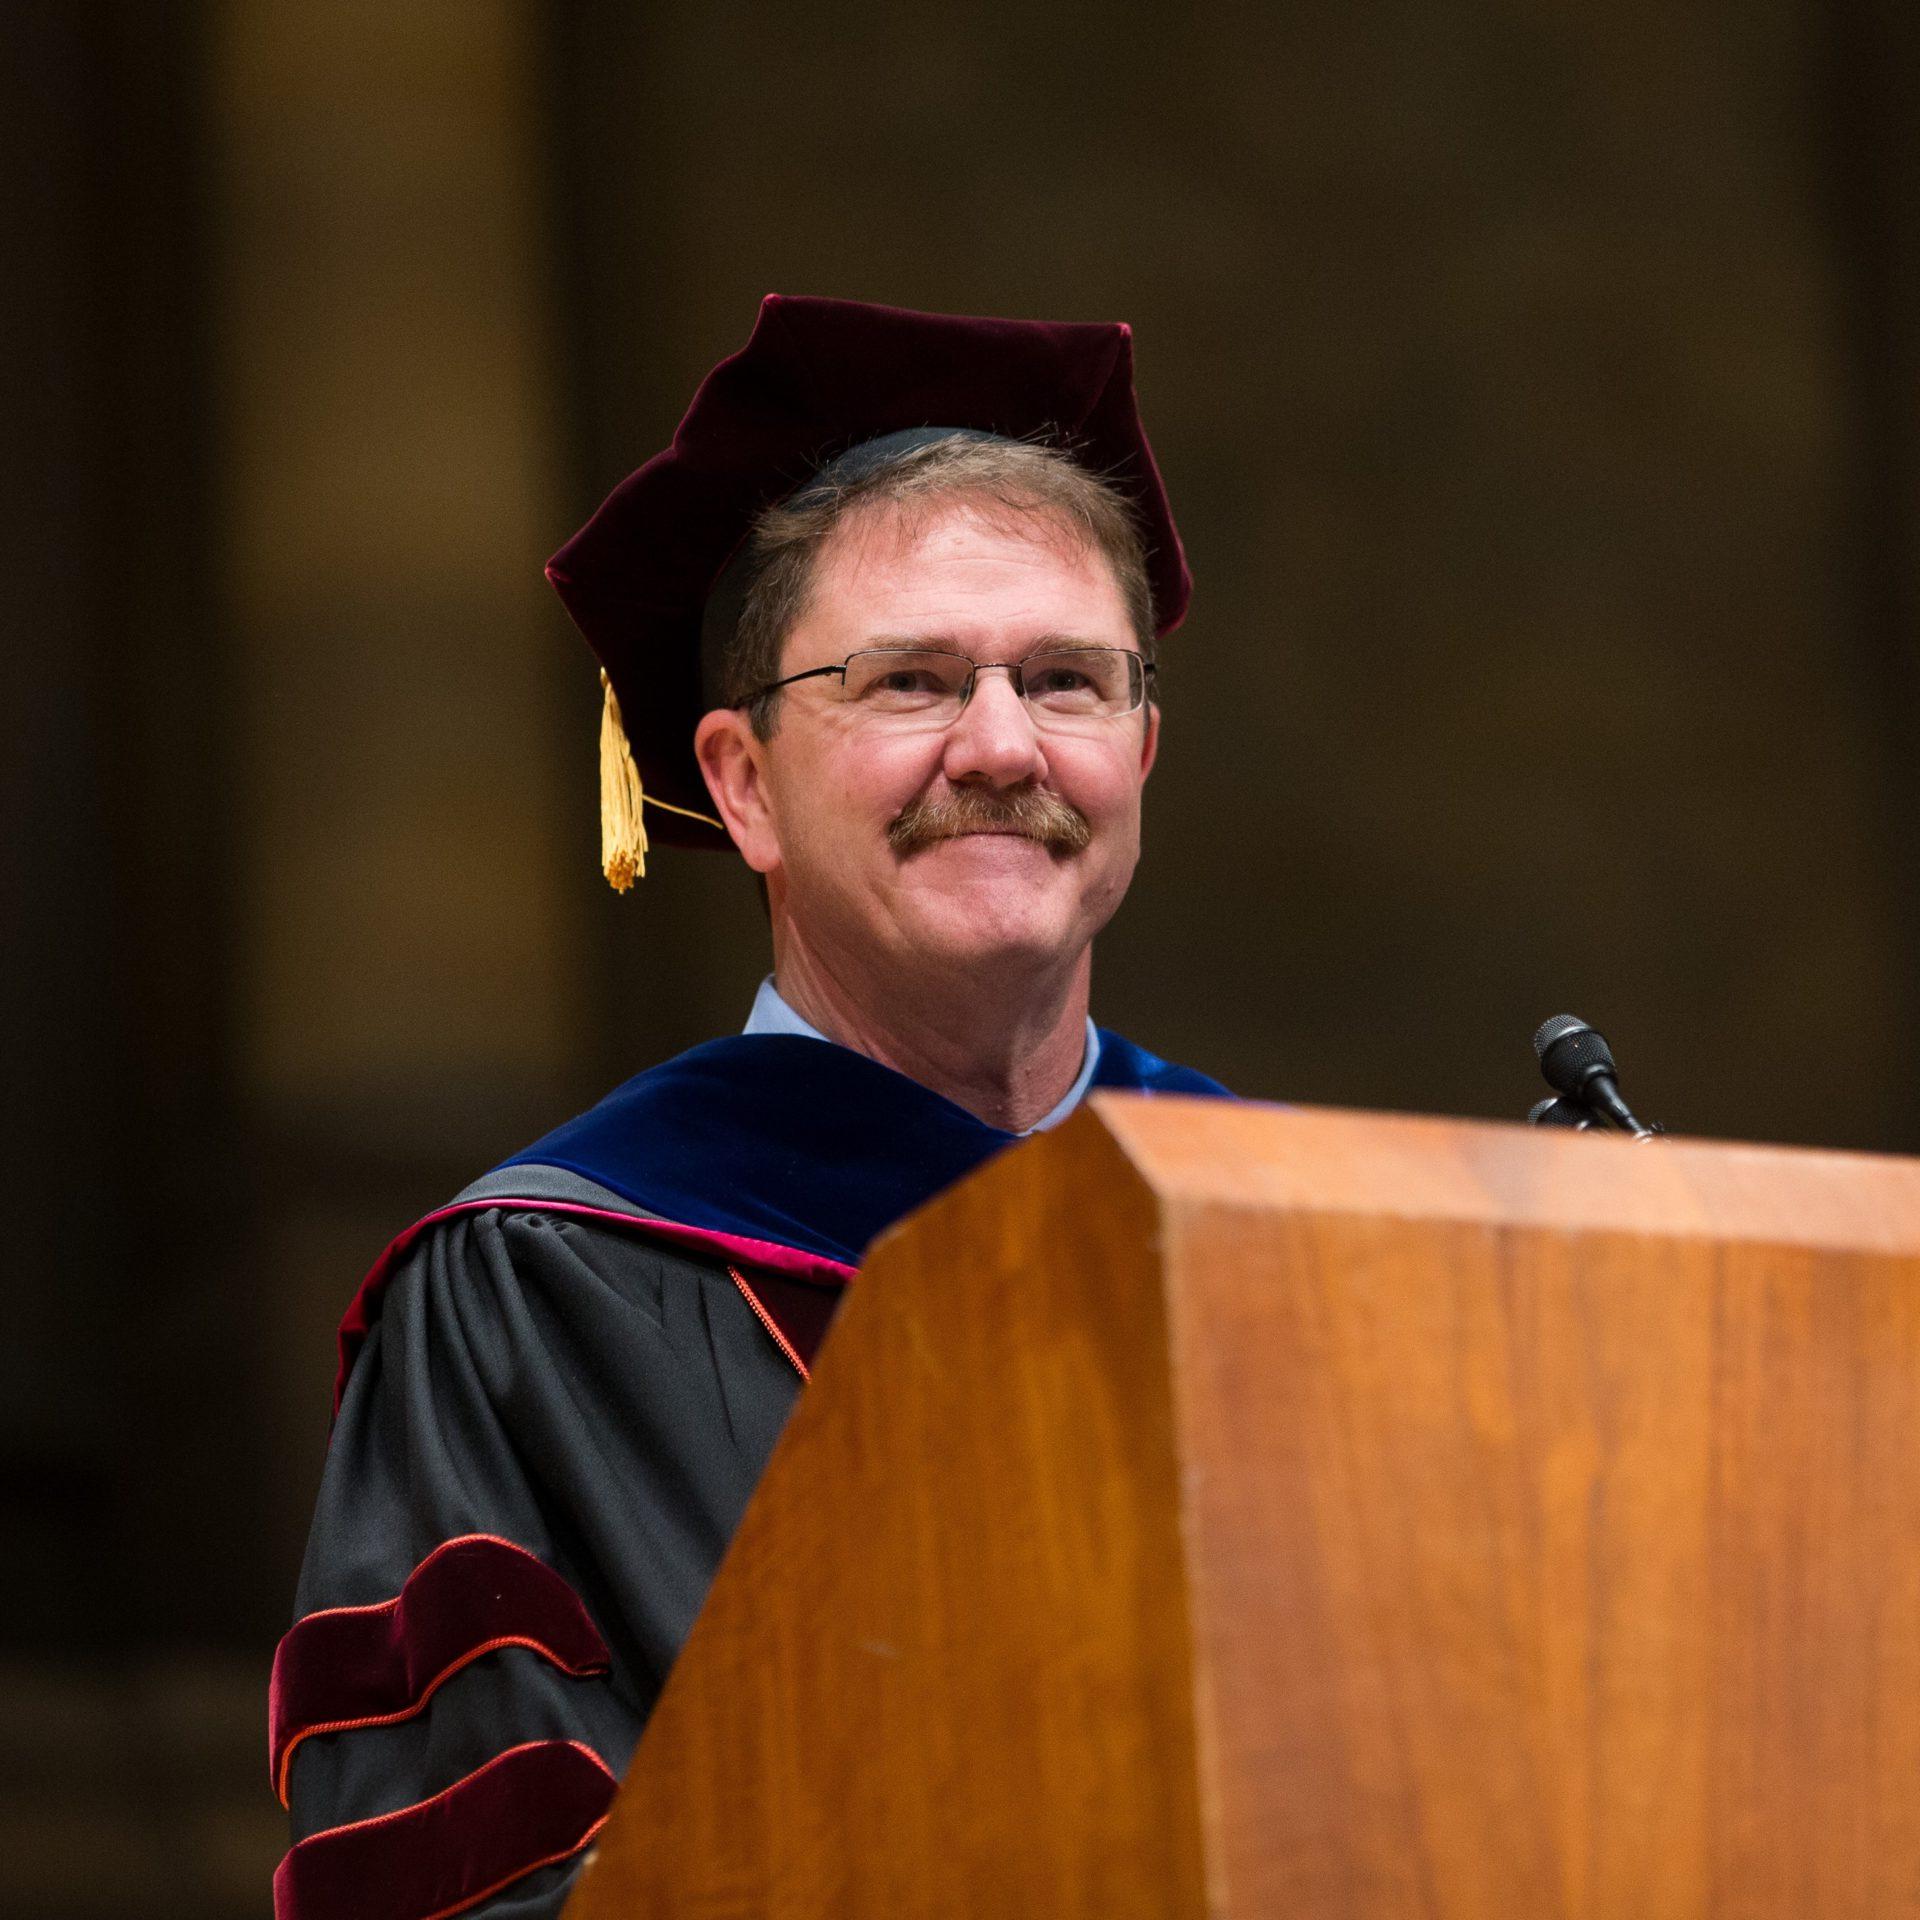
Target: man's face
831, 782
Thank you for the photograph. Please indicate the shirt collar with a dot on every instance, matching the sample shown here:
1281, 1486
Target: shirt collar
771, 1014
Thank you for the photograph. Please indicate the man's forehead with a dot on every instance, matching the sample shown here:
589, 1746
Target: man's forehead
980, 560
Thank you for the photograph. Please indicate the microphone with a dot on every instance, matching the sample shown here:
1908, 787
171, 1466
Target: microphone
1578, 1065
1562, 1113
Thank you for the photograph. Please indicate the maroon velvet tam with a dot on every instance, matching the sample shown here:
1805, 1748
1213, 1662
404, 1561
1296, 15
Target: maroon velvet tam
816, 378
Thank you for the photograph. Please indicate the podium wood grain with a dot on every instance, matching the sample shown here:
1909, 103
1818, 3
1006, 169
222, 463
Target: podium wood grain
1222, 1510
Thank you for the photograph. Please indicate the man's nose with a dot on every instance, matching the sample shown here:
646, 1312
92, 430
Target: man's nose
994, 741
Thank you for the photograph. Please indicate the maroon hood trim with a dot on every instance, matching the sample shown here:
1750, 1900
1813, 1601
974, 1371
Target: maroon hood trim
765, 1256
348, 1667
796, 1315
532, 1806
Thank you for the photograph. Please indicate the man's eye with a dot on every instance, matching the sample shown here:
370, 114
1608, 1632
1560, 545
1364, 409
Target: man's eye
1060, 680
906, 680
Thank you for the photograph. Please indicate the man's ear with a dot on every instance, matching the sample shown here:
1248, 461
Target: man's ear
1149, 742
733, 764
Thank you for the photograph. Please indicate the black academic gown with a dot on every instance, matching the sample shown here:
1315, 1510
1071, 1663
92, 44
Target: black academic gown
557, 1395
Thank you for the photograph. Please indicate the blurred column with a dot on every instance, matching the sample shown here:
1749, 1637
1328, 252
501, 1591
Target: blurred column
402, 818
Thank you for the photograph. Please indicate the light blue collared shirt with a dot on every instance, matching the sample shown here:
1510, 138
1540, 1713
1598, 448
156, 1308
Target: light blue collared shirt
771, 1014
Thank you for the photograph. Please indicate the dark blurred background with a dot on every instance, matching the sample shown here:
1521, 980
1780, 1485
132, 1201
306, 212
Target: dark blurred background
1536, 386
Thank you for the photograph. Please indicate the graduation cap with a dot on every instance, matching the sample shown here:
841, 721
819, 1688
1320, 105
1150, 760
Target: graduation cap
816, 380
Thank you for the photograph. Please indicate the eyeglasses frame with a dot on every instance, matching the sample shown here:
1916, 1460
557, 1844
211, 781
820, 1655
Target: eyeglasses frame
1148, 671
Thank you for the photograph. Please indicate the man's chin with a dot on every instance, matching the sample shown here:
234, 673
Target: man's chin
960, 928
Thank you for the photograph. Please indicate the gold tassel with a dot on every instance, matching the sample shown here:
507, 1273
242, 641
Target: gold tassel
623, 833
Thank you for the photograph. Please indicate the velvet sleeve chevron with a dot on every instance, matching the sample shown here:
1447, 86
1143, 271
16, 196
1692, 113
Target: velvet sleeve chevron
544, 1446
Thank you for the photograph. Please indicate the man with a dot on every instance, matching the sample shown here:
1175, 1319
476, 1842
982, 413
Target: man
888, 604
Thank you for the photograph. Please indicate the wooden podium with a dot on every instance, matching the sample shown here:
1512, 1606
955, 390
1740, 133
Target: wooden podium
1220, 1510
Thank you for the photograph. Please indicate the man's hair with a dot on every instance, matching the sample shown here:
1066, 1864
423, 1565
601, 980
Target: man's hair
1008, 481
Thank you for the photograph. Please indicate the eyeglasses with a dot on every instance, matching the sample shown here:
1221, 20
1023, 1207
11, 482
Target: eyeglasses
927, 687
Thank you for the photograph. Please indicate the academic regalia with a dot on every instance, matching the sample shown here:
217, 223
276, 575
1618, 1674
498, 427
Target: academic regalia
557, 1392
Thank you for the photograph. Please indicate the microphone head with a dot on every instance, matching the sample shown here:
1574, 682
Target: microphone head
1571, 1053
1560, 1112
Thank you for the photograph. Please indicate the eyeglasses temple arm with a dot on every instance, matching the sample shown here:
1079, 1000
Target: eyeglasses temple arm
774, 686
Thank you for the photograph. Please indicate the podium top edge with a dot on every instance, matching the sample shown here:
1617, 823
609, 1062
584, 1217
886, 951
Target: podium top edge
1257, 1156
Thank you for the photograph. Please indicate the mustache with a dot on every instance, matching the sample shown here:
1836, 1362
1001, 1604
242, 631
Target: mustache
1058, 826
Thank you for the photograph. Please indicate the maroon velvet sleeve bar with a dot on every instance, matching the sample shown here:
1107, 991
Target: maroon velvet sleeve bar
348, 1667
532, 1806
